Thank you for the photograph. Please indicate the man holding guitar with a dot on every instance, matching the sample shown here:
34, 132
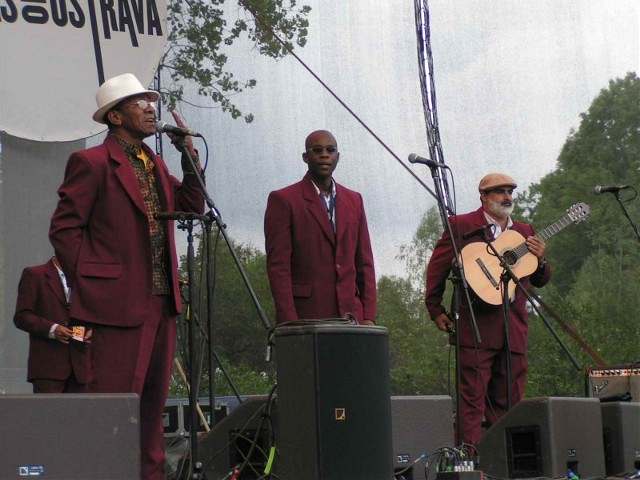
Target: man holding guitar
483, 386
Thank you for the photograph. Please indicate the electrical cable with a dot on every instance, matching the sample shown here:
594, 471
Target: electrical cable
449, 353
195, 322
290, 51
265, 411
206, 156
222, 450
258, 430
412, 464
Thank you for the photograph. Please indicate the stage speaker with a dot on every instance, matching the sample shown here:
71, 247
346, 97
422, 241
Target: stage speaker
544, 437
618, 383
230, 441
420, 424
621, 432
333, 402
70, 436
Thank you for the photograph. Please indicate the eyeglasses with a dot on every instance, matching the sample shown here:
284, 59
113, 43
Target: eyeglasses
318, 149
144, 104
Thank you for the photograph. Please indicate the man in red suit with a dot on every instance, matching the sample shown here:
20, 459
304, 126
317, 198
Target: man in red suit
57, 362
483, 384
319, 258
120, 260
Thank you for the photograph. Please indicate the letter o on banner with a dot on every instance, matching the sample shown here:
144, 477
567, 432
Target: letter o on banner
55, 53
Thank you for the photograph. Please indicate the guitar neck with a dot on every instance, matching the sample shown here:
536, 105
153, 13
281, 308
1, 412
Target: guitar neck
554, 228
545, 234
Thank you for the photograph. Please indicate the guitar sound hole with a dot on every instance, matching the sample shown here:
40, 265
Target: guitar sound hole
510, 257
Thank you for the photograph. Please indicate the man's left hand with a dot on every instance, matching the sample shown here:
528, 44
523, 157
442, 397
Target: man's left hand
536, 246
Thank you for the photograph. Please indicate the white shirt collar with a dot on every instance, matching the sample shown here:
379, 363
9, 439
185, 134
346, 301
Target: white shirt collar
333, 188
63, 280
496, 229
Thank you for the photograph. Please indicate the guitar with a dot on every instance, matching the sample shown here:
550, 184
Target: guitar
482, 268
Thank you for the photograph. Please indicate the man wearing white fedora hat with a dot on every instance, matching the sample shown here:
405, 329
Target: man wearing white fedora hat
120, 260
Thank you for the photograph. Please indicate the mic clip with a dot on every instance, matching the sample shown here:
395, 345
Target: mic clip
472, 233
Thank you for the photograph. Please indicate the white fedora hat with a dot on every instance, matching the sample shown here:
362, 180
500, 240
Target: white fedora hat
114, 90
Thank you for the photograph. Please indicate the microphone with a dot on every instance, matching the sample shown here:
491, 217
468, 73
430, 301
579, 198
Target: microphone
599, 189
413, 158
164, 127
180, 216
477, 231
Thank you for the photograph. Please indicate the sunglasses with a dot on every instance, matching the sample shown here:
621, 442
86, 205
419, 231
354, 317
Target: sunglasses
144, 104
318, 149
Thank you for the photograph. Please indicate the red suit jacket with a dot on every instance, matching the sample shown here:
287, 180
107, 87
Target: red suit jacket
41, 303
314, 272
101, 236
489, 317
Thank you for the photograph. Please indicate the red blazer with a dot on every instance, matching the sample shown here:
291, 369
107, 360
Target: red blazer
314, 272
41, 303
489, 317
101, 237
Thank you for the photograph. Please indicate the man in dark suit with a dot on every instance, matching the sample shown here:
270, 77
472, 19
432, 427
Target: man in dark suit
483, 384
319, 257
120, 260
57, 362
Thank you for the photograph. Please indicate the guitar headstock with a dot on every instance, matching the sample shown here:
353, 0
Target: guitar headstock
578, 212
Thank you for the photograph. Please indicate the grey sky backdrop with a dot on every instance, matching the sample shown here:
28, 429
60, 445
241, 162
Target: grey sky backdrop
511, 76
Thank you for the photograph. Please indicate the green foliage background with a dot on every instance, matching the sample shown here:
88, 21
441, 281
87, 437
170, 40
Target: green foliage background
594, 287
202, 32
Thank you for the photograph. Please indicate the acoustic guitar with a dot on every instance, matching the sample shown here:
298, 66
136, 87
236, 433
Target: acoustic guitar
482, 268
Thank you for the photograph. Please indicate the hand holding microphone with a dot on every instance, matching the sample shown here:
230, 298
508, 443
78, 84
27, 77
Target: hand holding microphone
181, 138
175, 132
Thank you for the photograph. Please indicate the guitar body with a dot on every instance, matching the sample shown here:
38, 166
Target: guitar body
482, 269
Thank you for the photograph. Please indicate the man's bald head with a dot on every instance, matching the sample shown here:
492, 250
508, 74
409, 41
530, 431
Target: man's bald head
321, 156
313, 136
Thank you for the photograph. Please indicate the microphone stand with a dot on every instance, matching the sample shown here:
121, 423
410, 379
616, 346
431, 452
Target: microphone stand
185, 222
213, 215
506, 276
626, 214
196, 467
458, 279
213, 353
553, 332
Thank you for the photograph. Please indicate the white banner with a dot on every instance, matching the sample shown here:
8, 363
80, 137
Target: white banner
55, 53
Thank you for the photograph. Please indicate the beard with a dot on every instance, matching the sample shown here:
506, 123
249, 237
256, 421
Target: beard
500, 210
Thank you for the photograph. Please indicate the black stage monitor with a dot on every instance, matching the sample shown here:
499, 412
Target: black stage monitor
70, 436
545, 437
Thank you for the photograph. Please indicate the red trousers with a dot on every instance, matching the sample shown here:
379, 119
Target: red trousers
70, 385
139, 360
483, 388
